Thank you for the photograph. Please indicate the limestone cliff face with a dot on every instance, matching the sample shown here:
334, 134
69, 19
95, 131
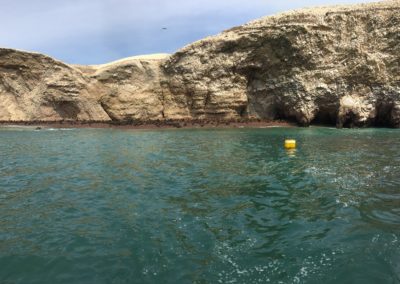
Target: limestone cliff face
37, 87
129, 89
337, 65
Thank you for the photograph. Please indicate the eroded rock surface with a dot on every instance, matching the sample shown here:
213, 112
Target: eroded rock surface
335, 65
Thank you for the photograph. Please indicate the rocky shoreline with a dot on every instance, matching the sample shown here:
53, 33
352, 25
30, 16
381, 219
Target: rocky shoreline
336, 65
167, 124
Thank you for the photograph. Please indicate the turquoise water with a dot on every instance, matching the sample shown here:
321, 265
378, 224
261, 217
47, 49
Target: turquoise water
199, 206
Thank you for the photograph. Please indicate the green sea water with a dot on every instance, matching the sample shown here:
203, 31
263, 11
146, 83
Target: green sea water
199, 206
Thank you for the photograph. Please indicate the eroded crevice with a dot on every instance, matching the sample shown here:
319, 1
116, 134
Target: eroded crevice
67, 109
242, 111
281, 114
326, 117
207, 99
384, 115
348, 120
108, 112
162, 99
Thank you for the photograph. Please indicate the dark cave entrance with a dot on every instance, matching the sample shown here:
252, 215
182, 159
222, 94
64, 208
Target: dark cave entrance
384, 115
325, 117
348, 121
281, 115
67, 109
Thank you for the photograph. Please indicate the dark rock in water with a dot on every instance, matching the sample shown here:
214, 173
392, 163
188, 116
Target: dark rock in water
38, 128
335, 65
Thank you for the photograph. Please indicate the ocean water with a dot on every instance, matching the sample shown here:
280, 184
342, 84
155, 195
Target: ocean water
199, 206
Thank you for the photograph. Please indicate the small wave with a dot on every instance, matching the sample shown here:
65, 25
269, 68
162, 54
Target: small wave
56, 129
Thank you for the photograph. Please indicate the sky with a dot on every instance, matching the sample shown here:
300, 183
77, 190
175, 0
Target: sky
100, 31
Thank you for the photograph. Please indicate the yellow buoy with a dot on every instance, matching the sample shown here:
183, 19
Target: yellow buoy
290, 144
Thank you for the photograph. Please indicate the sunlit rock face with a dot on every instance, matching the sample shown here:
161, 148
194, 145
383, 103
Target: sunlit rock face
37, 87
335, 65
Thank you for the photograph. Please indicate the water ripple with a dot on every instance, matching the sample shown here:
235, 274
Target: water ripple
199, 206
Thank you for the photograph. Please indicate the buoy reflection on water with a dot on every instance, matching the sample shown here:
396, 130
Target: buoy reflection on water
291, 152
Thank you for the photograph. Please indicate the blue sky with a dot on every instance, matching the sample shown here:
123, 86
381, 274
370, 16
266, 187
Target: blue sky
99, 31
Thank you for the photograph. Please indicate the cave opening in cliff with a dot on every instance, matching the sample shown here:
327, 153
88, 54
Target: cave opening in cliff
242, 111
384, 115
67, 109
348, 121
324, 117
281, 115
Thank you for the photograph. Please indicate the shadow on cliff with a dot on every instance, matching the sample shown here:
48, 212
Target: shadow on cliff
67, 109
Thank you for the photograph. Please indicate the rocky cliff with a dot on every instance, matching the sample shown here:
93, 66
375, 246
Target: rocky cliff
335, 65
